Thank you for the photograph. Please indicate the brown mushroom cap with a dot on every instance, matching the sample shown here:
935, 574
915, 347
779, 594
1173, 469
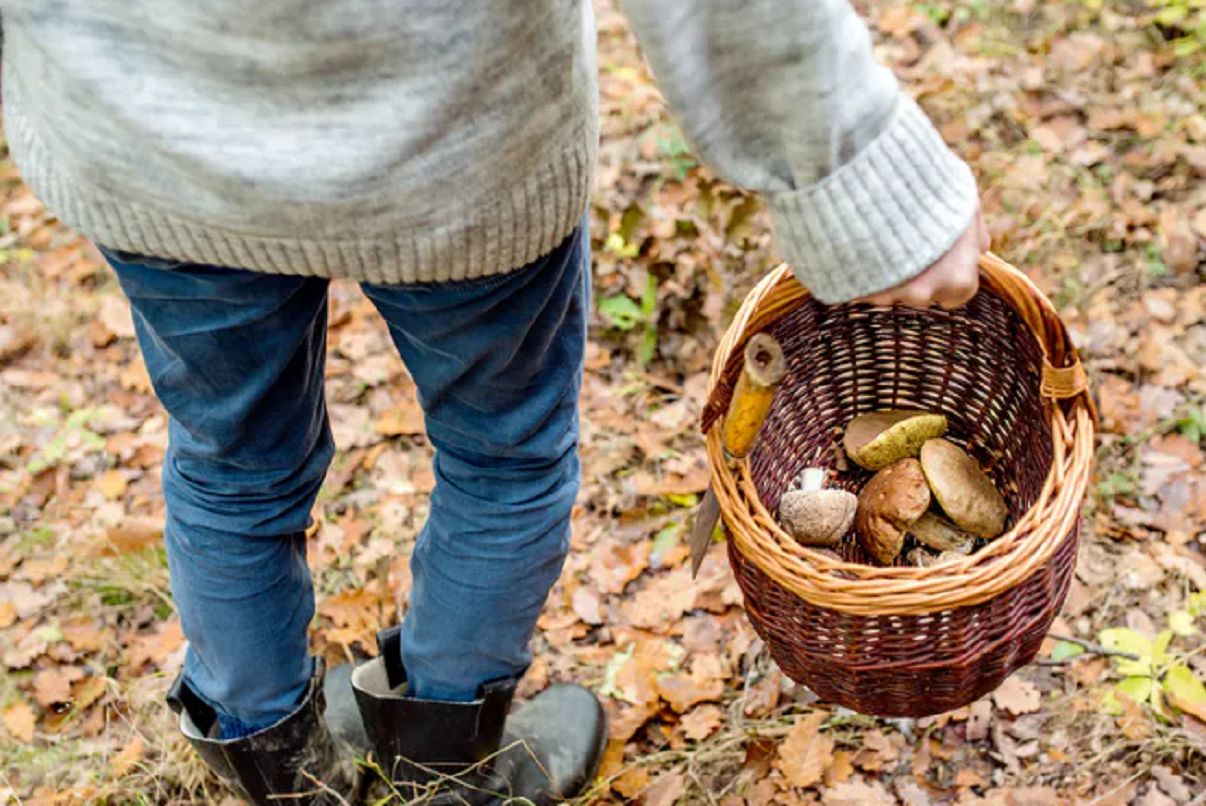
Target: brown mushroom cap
962, 489
940, 534
892, 501
877, 439
817, 517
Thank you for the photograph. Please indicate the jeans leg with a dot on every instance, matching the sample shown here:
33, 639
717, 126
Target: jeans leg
498, 365
236, 358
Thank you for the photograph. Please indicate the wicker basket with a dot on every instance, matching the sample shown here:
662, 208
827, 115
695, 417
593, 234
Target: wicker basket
907, 641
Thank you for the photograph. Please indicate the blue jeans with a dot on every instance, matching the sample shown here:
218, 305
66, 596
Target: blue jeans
237, 360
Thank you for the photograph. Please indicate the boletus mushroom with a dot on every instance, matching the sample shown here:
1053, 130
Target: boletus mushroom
920, 558
877, 439
962, 489
888, 506
815, 516
938, 533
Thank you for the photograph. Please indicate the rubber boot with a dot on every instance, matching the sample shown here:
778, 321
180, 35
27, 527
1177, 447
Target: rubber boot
473, 752
295, 761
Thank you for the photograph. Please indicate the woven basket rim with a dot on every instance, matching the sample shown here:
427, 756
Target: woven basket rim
873, 590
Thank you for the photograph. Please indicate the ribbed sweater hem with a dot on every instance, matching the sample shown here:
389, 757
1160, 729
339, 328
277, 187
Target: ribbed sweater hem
511, 229
882, 217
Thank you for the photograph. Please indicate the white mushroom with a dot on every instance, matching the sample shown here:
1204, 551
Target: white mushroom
816, 516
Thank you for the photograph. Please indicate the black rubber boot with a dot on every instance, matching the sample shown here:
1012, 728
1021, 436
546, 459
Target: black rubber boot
295, 761
472, 752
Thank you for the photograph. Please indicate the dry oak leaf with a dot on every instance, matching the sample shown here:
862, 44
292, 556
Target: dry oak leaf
87, 691
131, 534
403, 420
1017, 696
587, 605
53, 685
155, 647
19, 719
83, 634
858, 792
876, 752
683, 691
127, 757
632, 783
702, 722
840, 770
806, 753
666, 790
112, 484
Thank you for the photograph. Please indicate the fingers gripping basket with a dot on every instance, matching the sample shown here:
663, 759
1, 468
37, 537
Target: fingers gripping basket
906, 641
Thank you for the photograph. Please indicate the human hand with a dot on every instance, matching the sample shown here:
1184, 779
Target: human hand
950, 281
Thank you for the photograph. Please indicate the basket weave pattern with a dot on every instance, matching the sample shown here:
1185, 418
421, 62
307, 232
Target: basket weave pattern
906, 641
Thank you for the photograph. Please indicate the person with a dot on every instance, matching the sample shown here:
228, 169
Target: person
230, 158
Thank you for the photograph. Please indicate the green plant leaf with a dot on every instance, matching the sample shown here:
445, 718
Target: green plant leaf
616, 244
1197, 603
1124, 639
1183, 686
665, 539
1160, 647
622, 311
1182, 622
1137, 688
1065, 650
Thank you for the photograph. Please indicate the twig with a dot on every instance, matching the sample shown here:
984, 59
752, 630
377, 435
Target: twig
1089, 648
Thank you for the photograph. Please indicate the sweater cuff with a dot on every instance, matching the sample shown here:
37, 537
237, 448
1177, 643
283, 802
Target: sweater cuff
882, 217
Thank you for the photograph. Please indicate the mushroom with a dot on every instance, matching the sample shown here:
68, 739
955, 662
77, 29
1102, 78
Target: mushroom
815, 516
879, 438
962, 489
940, 534
920, 558
892, 501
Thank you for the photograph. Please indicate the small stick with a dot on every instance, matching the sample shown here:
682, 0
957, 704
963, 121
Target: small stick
1089, 647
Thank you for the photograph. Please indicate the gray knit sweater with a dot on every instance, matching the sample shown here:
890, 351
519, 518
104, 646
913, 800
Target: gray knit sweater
426, 140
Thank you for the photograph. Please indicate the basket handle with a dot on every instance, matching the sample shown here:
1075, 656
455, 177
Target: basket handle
1063, 380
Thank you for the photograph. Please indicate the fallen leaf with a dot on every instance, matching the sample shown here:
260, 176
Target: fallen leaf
587, 605
114, 314
666, 790
132, 534
806, 753
840, 770
19, 719
632, 783
1017, 696
702, 722
858, 792
87, 691
155, 647
112, 484
978, 720
127, 757
53, 685
403, 420
683, 691
876, 752
83, 634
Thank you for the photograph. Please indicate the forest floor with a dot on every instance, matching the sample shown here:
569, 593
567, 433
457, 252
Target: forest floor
1084, 124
